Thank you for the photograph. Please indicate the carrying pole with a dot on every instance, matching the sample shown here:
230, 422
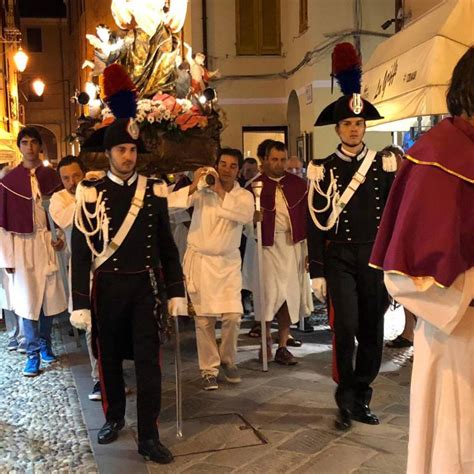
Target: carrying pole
257, 187
179, 394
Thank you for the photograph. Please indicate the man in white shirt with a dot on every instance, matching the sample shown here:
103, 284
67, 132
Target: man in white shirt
212, 262
63, 204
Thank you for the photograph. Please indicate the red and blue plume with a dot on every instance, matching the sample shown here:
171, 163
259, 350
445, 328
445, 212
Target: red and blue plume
120, 92
347, 68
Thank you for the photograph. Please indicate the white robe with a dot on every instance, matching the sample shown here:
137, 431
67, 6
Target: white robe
441, 439
37, 280
285, 278
212, 260
6, 283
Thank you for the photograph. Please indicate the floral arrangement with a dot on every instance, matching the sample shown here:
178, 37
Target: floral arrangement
166, 113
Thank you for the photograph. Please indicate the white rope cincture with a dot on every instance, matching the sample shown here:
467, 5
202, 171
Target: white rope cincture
101, 221
331, 196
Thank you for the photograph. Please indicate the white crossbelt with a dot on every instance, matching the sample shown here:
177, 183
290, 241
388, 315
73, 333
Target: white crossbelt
356, 181
116, 242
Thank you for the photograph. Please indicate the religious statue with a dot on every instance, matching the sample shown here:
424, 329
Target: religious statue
148, 44
201, 75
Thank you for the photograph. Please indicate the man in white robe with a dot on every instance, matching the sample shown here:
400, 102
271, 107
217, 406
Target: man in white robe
212, 262
286, 289
28, 252
62, 207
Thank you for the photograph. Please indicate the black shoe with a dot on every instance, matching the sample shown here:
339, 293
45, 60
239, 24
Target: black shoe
292, 342
363, 414
109, 432
343, 421
153, 450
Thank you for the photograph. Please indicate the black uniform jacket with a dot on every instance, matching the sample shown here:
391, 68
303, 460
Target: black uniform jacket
149, 243
360, 219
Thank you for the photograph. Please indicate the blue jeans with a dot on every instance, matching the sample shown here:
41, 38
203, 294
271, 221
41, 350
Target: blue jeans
38, 333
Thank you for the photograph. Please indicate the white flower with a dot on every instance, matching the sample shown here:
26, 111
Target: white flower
185, 104
166, 114
151, 119
139, 118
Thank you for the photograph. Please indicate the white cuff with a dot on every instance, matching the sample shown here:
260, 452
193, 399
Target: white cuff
81, 319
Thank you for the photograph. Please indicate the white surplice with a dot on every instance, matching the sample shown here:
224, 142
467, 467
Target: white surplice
62, 207
212, 260
37, 280
285, 278
441, 439
6, 283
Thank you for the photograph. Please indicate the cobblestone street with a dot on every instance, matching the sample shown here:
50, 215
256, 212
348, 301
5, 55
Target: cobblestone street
279, 421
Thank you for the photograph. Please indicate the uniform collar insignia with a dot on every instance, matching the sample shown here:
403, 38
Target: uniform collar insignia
121, 182
360, 156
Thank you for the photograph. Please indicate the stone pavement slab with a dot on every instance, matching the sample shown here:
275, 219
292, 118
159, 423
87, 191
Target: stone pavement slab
291, 407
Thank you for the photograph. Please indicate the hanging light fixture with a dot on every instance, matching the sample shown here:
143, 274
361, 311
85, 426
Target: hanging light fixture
20, 59
38, 86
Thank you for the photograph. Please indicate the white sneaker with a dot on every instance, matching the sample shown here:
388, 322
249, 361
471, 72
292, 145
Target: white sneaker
95, 395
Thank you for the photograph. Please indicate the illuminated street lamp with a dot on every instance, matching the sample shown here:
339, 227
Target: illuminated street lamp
38, 86
20, 59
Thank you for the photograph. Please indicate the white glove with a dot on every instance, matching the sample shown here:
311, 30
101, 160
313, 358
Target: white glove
178, 306
319, 287
81, 319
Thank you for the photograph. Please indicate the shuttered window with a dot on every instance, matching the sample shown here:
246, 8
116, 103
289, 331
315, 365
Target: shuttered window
258, 27
303, 16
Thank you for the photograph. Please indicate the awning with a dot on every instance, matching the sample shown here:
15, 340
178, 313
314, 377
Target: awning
408, 75
7, 152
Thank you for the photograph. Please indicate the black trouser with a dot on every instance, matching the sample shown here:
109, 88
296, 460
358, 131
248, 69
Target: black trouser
358, 301
125, 320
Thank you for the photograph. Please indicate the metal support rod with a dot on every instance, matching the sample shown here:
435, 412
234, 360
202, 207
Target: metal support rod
257, 189
179, 395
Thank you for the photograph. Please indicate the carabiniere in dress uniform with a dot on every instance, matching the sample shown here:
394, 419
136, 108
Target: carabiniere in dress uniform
347, 194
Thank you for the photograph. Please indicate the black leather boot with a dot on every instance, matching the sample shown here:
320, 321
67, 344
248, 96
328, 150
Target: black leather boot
361, 411
343, 421
363, 414
109, 432
153, 450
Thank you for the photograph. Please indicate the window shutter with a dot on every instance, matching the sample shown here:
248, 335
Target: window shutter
303, 16
247, 26
270, 27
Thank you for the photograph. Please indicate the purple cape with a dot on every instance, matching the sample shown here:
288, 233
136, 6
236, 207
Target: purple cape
295, 190
427, 229
16, 199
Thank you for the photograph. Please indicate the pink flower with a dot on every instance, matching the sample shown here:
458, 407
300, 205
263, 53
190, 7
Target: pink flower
170, 103
190, 120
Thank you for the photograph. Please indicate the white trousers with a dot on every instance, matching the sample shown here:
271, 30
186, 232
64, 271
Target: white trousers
442, 400
210, 355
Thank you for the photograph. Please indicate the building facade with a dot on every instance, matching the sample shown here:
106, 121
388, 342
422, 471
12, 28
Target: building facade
274, 57
10, 110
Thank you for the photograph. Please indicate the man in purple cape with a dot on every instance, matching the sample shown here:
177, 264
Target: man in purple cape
425, 246
27, 250
286, 290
